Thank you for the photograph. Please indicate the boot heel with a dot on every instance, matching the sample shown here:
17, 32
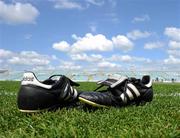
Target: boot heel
31, 99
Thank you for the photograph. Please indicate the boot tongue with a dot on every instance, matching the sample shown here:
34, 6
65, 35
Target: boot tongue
107, 82
119, 86
120, 81
52, 79
112, 83
134, 80
55, 77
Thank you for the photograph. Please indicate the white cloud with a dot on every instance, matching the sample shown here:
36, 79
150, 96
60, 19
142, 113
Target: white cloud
128, 58
32, 60
61, 46
141, 18
29, 58
172, 60
73, 4
174, 52
153, 45
173, 33
54, 57
96, 2
29, 54
96, 57
92, 43
123, 43
67, 4
93, 28
5, 53
137, 34
22, 1
75, 37
67, 65
80, 57
43, 68
123, 58
106, 64
142, 59
18, 13
25, 61
97, 42
85, 57
174, 45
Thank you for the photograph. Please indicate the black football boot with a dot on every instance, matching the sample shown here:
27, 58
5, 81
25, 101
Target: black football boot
35, 96
120, 92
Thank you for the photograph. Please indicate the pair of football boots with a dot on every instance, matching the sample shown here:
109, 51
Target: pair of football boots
58, 91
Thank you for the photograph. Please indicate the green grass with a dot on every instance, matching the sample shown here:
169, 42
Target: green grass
160, 118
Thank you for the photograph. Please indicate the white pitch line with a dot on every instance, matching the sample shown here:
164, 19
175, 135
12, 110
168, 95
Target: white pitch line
156, 95
167, 95
8, 93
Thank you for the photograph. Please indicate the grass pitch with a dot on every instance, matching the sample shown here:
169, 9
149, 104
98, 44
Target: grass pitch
160, 118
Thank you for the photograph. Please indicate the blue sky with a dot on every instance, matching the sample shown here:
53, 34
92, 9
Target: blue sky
90, 34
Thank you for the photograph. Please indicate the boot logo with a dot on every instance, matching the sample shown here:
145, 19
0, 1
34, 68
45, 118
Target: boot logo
28, 79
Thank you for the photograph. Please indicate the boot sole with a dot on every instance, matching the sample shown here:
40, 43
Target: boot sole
91, 103
32, 111
40, 110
